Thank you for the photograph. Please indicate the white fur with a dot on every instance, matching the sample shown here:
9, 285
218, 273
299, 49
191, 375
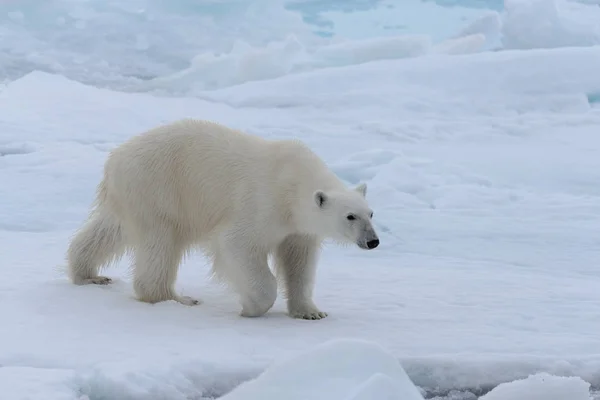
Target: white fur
239, 197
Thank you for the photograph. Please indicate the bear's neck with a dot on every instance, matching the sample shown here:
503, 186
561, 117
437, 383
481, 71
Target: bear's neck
304, 212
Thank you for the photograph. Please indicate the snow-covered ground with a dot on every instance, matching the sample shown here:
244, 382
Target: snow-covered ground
483, 172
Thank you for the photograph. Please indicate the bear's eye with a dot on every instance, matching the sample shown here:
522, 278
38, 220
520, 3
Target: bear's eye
371, 215
350, 217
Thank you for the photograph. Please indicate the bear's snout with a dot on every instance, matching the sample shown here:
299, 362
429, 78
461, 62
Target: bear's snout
371, 244
369, 240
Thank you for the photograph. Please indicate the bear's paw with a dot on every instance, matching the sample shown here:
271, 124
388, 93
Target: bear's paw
310, 313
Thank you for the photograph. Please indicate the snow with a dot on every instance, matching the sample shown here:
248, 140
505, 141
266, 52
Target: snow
530, 24
27, 383
342, 369
541, 387
482, 169
245, 64
156, 43
361, 370
483, 192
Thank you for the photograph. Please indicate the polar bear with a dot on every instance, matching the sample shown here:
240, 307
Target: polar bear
239, 197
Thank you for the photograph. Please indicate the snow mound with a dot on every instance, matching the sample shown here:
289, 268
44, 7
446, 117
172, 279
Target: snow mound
541, 386
245, 63
344, 369
530, 24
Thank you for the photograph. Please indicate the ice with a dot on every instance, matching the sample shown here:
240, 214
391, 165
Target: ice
359, 52
487, 28
115, 43
403, 17
541, 387
245, 64
462, 45
530, 24
339, 369
179, 48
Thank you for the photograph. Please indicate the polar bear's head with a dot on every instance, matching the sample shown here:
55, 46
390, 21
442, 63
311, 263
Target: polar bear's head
345, 216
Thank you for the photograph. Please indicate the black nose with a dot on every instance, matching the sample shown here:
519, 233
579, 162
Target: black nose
371, 244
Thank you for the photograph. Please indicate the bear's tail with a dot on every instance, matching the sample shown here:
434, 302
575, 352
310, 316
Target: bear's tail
98, 243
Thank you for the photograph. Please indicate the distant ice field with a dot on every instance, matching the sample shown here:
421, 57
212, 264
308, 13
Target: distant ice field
188, 46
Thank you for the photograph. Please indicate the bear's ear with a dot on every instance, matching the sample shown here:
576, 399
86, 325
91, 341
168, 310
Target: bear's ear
320, 198
362, 189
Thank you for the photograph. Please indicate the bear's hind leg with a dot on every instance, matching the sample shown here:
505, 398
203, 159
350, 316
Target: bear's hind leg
157, 257
99, 242
295, 263
248, 273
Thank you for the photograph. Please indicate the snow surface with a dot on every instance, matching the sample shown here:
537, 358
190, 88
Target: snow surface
482, 168
481, 171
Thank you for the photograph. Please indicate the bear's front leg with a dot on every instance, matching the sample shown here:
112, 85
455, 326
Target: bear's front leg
296, 263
